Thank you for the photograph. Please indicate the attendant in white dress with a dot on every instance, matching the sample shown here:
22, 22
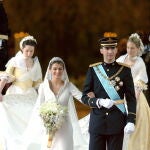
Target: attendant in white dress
17, 104
140, 138
56, 88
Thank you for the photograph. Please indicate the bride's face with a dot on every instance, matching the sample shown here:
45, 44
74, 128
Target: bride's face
57, 70
132, 49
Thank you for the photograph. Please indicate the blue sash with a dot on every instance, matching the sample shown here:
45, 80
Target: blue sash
110, 90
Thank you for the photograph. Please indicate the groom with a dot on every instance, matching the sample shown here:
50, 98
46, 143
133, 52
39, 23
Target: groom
110, 81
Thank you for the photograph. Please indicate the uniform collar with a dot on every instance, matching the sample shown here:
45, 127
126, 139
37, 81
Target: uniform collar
109, 64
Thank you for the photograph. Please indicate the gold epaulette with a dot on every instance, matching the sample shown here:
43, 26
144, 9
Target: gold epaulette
123, 64
95, 64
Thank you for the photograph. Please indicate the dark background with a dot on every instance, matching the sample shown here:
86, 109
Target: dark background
70, 28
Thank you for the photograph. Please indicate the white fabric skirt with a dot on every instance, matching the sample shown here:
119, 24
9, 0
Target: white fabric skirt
15, 111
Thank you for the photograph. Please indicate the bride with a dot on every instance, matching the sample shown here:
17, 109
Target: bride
56, 88
16, 106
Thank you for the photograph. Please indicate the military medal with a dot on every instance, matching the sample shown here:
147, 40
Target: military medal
117, 88
114, 80
117, 79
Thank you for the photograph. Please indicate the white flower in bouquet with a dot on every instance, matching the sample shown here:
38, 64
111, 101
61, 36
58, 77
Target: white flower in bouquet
53, 116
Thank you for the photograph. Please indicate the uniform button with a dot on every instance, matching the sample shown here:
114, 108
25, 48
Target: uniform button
107, 113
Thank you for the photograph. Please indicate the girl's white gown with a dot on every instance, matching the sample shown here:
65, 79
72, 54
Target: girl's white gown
140, 139
68, 137
18, 103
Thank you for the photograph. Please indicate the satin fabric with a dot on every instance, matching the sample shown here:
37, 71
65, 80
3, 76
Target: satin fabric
139, 139
18, 103
69, 136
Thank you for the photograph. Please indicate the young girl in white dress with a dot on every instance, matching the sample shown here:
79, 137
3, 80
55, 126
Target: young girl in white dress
139, 139
24, 72
56, 88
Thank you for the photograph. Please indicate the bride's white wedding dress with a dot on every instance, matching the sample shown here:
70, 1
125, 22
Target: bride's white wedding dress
68, 137
84, 125
18, 103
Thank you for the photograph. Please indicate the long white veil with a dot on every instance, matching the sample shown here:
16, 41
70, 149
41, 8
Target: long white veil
48, 75
79, 142
36, 129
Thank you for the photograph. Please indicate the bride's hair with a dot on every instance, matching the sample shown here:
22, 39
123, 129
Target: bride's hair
57, 60
135, 38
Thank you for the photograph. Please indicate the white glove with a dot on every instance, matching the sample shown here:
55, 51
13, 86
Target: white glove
129, 128
107, 103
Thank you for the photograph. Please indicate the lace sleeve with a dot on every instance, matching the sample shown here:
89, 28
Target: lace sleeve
8, 74
76, 93
140, 85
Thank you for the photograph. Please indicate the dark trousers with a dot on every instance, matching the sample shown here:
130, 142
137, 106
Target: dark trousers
100, 142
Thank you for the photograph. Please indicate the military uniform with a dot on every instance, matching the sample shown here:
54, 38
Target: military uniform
111, 82
109, 122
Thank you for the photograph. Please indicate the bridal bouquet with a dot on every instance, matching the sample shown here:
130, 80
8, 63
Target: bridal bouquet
53, 116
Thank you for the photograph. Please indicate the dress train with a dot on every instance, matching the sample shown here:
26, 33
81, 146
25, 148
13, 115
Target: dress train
140, 138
